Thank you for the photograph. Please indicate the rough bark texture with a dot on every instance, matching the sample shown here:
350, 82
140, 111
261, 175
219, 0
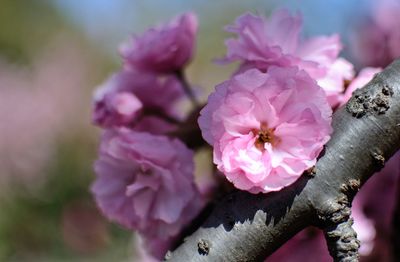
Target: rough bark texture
247, 227
342, 241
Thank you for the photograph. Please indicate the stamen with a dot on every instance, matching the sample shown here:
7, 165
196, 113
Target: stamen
145, 171
264, 135
346, 83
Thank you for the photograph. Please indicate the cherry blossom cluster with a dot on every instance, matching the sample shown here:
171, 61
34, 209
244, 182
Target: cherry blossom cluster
267, 124
145, 176
270, 121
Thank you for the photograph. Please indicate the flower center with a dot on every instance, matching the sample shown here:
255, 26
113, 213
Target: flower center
145, 171
346, 83
264, 135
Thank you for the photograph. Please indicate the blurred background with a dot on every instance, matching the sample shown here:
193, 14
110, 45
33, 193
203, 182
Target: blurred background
52, 56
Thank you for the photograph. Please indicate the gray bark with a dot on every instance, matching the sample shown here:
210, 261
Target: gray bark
247, 227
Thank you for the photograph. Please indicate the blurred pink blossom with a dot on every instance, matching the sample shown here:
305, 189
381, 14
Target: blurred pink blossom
37, 105
364, 228
376, 40
386, 15
128, 97
263, 42
114, 109
164, 49
377, 200
145, 182
308, 245
266, 128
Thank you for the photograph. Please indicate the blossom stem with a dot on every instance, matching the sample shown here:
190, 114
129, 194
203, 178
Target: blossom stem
161, 114
186, 87
188, 131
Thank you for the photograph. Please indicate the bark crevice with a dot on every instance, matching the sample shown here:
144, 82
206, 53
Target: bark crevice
342, 241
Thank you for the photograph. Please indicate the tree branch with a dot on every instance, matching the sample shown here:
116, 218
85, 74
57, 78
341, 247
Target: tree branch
247, 227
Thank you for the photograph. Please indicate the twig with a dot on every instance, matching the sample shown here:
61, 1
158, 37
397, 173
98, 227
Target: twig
186, 87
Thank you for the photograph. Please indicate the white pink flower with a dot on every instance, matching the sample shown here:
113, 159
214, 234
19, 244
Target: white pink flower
266, 128
340, 70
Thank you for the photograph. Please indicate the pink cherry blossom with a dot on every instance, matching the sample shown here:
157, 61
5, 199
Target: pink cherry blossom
263, 42
361, 80
164, 49
128, 95
266, 128
333, 83
145, 182
386, 13
117, 109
